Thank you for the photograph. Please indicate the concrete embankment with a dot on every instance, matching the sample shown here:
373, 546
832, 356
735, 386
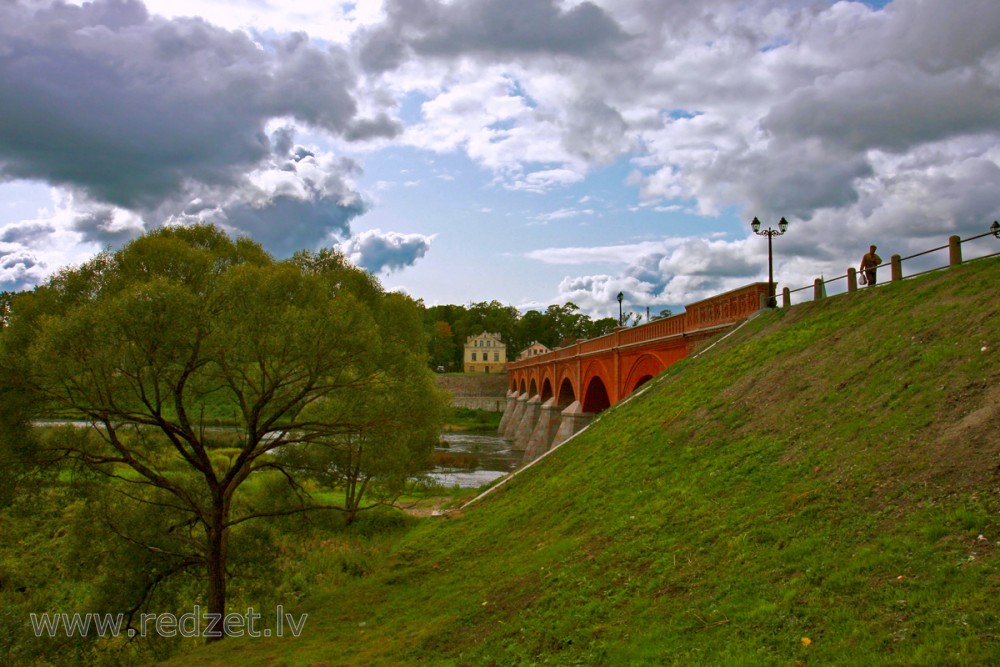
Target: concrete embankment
481, 392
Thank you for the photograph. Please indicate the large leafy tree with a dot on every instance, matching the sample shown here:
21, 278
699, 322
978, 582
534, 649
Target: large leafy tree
185, 328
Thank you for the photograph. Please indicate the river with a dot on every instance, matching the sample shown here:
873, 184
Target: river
465, 459
470, 460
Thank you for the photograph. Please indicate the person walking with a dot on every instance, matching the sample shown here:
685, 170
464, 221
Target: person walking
869, 264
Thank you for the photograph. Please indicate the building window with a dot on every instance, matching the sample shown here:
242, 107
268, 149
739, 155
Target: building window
473, 356
496, 356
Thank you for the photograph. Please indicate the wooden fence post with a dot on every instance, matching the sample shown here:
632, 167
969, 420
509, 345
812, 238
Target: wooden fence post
954, 250
897, 268
852, 280
786, 298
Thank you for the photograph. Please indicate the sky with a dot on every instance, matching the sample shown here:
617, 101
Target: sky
532, 152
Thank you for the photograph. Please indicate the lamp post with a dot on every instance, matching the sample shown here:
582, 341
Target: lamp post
620, 297
770, 234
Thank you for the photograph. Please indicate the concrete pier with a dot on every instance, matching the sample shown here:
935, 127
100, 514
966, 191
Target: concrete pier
573, 419
529, 417
542, 437
515, 418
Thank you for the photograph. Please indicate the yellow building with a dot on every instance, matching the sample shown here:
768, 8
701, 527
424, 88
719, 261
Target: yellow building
485, 353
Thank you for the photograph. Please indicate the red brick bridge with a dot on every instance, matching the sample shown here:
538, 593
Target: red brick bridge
554, 395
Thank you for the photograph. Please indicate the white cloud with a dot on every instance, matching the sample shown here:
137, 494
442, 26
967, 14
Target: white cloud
377, 251
623, 254
61, 234
857, 124
564, 214
545, 180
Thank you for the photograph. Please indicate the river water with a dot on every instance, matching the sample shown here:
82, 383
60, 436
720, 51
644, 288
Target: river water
470, 460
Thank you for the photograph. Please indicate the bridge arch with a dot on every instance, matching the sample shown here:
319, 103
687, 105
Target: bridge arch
546, 392
643, 370
522, 387
567, 394
596, 398
532, 388
598, 383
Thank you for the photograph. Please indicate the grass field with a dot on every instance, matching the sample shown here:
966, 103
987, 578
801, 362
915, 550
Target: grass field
821, 488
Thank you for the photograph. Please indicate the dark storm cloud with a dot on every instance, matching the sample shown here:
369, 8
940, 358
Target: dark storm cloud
287, 224
25, 232
853, 111
130, 107
489, 28
377, 251
917, 74
372, 128
798, 180
148, 114
98, 226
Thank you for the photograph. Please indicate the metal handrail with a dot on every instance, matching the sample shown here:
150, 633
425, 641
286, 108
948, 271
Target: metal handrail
908, 257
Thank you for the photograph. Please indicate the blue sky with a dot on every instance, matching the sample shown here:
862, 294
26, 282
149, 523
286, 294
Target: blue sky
532, 152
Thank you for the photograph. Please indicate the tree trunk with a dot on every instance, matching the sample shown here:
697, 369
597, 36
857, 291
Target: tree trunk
217, 543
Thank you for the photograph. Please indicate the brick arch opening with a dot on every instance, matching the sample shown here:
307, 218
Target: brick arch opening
641, 381
566, 393
547, 392
645, 369
522, 388
595, 398
532, 388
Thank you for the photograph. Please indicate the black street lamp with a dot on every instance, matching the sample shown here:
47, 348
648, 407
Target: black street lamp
770, 234
620, 297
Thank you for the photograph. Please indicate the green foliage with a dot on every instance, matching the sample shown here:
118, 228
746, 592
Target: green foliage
147, 347
449, 326
471, 419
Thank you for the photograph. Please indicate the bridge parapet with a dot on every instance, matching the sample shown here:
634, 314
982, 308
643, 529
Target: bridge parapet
668, 326
726, 308
719, 310
597, 344
562, 352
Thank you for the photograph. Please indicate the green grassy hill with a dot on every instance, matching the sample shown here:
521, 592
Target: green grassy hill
820, 488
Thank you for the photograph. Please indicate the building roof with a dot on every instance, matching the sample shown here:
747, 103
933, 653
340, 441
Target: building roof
485, 334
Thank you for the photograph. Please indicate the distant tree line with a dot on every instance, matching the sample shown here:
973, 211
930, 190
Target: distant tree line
448, 327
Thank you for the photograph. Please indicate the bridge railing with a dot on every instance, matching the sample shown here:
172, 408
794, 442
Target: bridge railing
718, 310
595, 344
663, 328
726, 308
561, 353
822, 287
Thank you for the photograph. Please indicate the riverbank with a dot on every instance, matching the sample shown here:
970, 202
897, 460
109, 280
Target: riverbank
461, 419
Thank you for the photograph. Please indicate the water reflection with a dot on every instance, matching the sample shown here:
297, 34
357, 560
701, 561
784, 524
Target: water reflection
470, 460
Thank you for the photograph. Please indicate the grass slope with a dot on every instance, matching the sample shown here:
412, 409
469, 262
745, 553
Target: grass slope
821, 487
